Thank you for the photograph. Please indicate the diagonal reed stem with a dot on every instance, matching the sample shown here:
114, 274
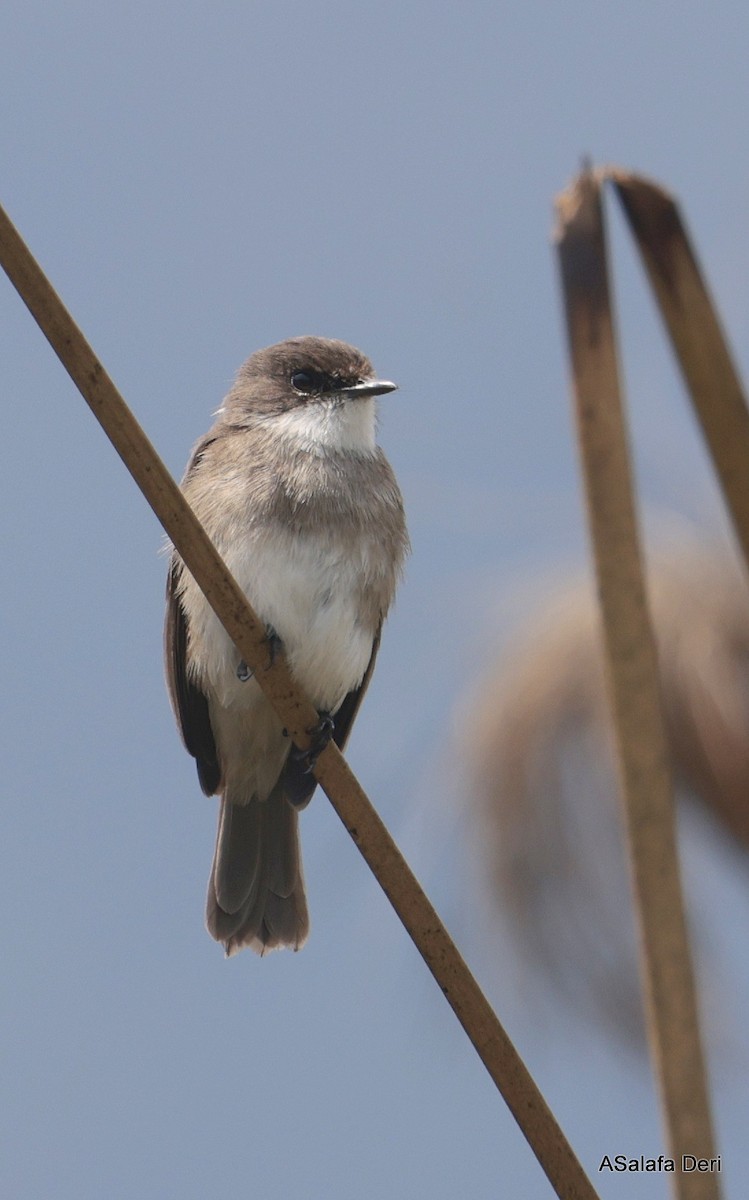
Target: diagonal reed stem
632, 680
461, 990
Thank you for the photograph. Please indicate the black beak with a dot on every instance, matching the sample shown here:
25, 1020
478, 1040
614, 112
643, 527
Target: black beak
370, 387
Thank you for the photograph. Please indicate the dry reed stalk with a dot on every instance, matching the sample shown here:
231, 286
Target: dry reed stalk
461, 990
539, 751
696, 335
632, 680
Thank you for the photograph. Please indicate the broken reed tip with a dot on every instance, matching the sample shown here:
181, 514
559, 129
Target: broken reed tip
575, 207
646, 189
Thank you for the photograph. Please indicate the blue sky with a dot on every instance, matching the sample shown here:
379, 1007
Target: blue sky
198, 181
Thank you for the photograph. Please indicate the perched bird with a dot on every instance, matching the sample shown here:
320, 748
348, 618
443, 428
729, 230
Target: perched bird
305, 510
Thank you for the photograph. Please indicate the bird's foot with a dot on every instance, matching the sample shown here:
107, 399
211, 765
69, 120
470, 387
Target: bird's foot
275, 646
321, 733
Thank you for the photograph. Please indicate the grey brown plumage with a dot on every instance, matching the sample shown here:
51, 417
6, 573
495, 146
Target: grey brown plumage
312, 527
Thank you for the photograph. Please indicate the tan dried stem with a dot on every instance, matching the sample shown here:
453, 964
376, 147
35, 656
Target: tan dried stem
696, 335
539, 751
633, 687
461, 990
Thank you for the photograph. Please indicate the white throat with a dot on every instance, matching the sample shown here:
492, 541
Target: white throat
322, 426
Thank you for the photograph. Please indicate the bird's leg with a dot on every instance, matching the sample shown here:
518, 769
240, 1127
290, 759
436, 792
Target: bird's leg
321, 733
275, 645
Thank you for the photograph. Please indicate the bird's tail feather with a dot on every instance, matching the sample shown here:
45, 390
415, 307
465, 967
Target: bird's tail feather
256, 889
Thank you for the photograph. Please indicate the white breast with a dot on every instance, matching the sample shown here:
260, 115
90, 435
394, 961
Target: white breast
309, 591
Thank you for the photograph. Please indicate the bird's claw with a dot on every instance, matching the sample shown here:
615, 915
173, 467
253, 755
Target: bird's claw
321, 733
275, 646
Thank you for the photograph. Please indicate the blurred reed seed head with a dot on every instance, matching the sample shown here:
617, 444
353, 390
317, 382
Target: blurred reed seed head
540, 752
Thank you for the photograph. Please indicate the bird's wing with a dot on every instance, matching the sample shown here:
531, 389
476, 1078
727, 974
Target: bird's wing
298, 783
346, 714
190, 704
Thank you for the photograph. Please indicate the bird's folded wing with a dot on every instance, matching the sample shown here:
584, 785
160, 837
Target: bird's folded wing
189, 703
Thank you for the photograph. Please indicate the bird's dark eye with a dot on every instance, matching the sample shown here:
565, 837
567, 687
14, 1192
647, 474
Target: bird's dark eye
305, 382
